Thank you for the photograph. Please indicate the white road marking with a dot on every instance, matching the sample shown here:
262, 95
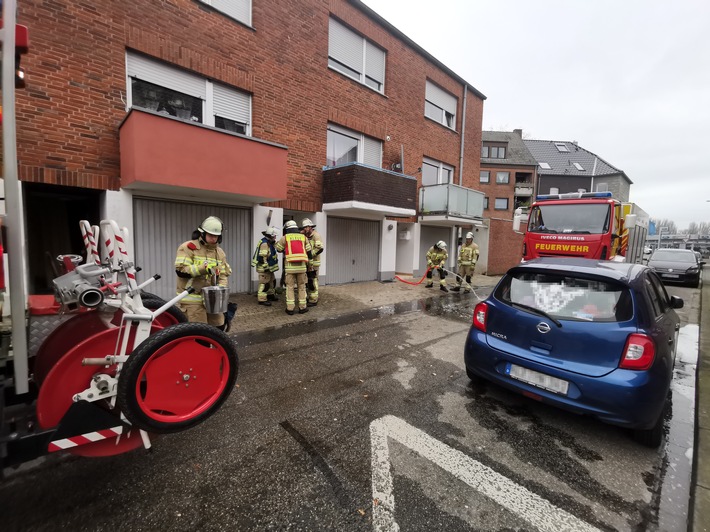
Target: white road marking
519, 500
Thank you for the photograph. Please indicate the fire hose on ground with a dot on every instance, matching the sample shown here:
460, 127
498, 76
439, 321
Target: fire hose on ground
420, 281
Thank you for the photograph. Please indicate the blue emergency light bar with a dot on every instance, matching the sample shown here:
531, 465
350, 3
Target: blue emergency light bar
574, 195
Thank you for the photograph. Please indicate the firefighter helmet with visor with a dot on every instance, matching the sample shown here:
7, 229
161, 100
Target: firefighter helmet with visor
212, 225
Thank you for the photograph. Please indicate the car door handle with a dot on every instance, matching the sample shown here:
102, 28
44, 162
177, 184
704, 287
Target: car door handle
670, 341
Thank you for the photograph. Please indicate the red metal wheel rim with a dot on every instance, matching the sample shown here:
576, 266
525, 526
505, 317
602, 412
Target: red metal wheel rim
68, 377
182, 379
64, 338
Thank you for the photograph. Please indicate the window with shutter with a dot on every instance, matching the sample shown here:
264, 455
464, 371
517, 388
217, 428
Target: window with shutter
436, 173
162, 88
346, 146
440, 106
237, 9
355, 56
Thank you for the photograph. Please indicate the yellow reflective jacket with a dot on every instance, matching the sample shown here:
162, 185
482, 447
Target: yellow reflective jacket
296, 250
317, 248
468, 254
191, 272
436, 257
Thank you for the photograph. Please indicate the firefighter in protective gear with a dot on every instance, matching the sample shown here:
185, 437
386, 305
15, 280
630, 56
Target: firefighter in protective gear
468, 256
436, 259
316, 242
200, 262
297, 254
266, 262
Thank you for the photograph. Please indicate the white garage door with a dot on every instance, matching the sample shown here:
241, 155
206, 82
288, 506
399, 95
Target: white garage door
353, 249
161, 226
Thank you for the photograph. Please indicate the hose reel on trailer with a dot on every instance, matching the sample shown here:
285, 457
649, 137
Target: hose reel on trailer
129, 366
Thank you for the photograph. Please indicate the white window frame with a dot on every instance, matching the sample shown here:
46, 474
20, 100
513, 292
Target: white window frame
443, 170
578, 167
487, 177
170, 77
507, 204
240, 10
545, 166
499, 178
440, 106
561, 147
369, 149
366, 66
601, 187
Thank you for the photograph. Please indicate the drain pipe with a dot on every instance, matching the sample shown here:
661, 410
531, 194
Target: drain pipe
463, 133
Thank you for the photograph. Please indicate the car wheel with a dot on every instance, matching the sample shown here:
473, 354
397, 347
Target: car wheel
654, 436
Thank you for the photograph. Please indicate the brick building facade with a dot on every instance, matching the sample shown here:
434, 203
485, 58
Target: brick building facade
90, 147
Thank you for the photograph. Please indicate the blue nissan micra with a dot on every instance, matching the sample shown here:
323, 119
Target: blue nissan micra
593, 337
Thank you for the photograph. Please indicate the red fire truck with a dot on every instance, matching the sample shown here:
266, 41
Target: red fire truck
583, 224
113, 366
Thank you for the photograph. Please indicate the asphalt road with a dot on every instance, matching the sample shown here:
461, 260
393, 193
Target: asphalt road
331, 416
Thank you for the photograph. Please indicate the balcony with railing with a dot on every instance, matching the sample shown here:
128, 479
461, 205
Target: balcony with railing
364, 190
160, 153
448, 202
523, 189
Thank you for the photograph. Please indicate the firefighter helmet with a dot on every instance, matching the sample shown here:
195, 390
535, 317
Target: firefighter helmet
271, 232
290, 225
307, 223
441, 244
211, 225
469, 235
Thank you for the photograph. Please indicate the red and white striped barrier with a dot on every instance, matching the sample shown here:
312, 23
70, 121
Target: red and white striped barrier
81, 439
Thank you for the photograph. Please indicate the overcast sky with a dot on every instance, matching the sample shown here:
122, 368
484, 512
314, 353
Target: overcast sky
629, 80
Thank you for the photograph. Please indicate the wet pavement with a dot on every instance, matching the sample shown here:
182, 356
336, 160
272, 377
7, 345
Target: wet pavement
277, 453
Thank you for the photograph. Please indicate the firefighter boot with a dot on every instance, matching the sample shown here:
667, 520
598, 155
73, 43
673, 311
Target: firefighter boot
443, 288
456, 289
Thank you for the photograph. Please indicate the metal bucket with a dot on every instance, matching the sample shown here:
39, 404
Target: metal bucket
216, 299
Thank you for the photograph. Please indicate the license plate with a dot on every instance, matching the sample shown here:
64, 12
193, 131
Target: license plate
671, 275
538, 379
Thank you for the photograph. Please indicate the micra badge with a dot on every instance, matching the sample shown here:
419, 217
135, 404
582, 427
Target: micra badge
499, 335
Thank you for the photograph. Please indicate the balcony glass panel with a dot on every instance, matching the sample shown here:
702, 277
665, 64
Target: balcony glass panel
451, 200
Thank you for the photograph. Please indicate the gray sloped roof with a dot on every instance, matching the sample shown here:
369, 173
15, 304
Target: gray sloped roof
516, 153
562, 163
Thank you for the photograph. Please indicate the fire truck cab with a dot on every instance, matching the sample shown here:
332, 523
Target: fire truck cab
583, 224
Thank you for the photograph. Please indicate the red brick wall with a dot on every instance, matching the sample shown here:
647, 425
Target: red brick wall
68, 115
505, 247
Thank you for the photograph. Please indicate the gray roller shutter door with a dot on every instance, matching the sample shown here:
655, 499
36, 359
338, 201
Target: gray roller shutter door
353, 249
161, 226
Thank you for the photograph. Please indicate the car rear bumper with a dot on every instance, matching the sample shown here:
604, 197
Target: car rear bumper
632, 399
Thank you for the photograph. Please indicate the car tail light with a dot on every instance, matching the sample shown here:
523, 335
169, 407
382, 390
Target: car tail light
480, 316
639, 352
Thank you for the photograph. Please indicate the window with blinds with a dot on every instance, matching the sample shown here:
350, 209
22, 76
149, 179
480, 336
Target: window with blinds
165, 89
436, 172
346, 146
440, 106
237, 9
355, 56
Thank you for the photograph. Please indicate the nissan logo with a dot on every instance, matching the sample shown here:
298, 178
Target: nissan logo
543, 327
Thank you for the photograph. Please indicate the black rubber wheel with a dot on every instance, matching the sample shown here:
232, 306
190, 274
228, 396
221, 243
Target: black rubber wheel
153, 302
177, 378
654, 436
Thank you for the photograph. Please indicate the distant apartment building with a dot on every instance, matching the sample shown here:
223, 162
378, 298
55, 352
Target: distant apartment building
158, 114
507, 178
567, 167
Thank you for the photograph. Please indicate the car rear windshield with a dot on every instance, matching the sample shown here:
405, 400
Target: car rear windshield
674, 256
563, 296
